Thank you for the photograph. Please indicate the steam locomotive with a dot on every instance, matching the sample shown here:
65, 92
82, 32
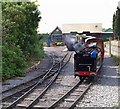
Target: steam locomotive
88, 57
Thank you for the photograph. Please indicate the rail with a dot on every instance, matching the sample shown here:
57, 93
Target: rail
47, 75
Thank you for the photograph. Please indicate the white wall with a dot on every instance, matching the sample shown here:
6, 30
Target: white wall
115, 48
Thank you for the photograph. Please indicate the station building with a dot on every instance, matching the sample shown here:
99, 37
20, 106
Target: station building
80, 28
90, 29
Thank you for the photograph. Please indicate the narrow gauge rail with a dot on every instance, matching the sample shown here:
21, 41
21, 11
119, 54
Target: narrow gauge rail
72, 96
33, 98
10, 104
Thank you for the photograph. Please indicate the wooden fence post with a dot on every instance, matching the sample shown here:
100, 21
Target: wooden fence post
110, 46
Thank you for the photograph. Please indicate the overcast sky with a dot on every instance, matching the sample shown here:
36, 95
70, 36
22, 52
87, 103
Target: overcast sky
57, 12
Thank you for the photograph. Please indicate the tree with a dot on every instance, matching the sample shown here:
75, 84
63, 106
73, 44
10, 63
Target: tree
116, 23
114, 16
21, 21
20, 38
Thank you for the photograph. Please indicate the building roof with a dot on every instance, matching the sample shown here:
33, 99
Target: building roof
92, 27
109, 30
56, 31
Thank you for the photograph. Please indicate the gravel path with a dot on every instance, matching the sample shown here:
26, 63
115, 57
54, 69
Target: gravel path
104, 93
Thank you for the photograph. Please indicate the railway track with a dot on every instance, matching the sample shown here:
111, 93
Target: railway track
23, 87
41, 85
72, 96
52, 63
66, 99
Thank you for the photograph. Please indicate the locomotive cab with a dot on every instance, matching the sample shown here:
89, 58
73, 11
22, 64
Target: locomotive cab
88, 60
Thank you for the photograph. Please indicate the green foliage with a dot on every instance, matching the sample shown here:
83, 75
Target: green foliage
113, 25
20, 39
60, 44
42, 38
21, 21
116, 23
13, 62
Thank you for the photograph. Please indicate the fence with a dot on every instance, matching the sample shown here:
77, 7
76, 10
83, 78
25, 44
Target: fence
113, 47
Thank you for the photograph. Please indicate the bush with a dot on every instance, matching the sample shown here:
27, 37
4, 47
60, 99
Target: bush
21, 42
60, 44
13, 62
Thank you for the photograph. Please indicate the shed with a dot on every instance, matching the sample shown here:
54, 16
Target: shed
56, 35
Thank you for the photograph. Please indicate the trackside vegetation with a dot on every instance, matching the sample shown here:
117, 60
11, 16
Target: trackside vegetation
116, 23
20, 42
116, 59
